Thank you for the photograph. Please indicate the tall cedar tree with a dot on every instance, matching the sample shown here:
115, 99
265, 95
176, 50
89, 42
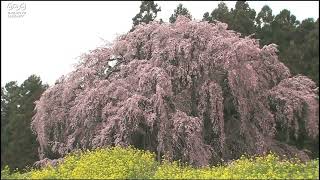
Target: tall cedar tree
180, 10
243, 18
148, 12
221, 13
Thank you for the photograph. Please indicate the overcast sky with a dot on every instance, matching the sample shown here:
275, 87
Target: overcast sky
47, 40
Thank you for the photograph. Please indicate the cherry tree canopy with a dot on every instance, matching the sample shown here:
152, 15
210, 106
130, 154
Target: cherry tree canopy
189, 90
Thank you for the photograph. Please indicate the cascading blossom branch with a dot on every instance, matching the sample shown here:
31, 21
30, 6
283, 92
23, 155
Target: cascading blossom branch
190, 90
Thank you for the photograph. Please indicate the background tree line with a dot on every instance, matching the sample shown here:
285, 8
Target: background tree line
18, 143
298, 49
298, 41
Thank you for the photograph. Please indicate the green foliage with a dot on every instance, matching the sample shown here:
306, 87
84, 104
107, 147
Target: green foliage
221, 13
130, 163
302, 56
17, 105
243, 18
206, 17
148, 12
179, 11
264, 17
6, 173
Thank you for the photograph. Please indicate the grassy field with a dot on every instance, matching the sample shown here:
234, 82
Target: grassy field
130, 163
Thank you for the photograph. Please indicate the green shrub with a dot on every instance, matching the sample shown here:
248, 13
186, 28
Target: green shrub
130, 163
7, 174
